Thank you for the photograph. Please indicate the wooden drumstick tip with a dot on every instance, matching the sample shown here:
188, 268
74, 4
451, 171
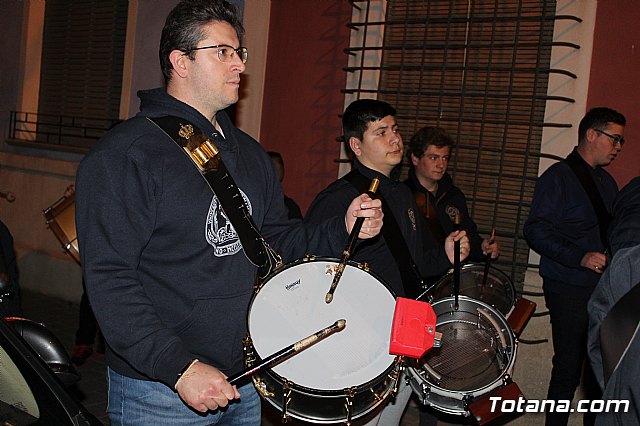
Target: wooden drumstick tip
328, 298
374, 185
341, 324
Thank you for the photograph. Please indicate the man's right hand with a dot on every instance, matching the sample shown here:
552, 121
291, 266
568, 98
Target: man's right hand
205, 388
449, 245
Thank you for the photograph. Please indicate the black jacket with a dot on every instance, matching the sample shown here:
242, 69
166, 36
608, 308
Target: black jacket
562, 225
448, 200
430, 261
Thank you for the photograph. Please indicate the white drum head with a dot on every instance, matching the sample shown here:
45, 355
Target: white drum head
291, 306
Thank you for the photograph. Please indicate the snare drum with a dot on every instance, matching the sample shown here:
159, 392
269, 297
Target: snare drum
476, 357
498, 291
342, 377
61, 219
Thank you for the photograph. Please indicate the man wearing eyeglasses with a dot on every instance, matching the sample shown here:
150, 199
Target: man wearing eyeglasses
569, 216
167, 272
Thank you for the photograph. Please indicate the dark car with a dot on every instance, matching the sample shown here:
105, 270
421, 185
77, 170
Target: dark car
35, 371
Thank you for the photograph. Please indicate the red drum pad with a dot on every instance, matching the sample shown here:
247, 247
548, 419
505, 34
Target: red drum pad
414, 328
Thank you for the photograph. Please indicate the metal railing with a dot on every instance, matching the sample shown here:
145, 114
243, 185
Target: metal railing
59, 132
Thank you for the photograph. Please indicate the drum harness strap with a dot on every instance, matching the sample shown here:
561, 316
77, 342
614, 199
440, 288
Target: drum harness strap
581, 170
412, 281
207, 158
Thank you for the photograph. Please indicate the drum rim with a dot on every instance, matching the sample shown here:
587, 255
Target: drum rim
507, 371
312, 259
473, 266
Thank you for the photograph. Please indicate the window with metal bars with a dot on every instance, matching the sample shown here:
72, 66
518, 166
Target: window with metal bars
81, 74
479, 69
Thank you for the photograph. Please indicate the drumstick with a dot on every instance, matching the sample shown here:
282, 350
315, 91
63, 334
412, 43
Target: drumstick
346, 253
290, 350
487, 262
456, 263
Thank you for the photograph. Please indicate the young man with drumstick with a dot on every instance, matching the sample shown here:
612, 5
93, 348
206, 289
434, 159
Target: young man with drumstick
371, 132
437, 196
167, 273
440, 201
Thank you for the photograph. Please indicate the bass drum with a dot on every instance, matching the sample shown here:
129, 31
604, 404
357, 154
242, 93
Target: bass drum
476, 357
498, 290
342, 377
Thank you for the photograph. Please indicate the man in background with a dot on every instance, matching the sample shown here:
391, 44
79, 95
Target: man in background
292, 206
437, 197
570, 213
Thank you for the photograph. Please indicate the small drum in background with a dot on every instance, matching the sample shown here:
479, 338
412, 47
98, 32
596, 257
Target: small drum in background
476, 357
61, 219
342, 377
498, 290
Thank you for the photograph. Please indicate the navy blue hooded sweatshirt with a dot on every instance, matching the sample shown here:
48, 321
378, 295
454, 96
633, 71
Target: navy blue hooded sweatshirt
165, 273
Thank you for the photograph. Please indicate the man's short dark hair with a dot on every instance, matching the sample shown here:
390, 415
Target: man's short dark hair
426, 136
183, 28
598, 118
360, 113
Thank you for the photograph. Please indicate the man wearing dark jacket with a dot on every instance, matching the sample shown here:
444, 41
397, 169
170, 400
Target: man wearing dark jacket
371, 132
567, 223
165, 270
613, 317
437, 197
440, 201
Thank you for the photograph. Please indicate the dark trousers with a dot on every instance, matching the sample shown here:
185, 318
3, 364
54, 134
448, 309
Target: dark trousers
87, 324
569, 328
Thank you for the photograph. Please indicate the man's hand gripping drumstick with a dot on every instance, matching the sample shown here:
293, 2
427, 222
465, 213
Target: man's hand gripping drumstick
371, 211
205, 388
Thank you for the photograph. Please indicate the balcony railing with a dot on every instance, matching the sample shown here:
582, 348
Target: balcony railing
59, 132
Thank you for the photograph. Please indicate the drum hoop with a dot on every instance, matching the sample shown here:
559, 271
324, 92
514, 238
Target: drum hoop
332, 392
507, 371
472, 266
312, 259
492, 271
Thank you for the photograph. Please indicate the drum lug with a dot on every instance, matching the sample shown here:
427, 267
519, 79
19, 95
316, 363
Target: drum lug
286, 400
426, 391
350, 394
394, 375
261, 387
506, 379
249, 354
309, 258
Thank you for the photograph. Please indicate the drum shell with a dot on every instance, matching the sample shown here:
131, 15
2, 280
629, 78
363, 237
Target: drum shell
455, 401
498, 291
324, 403
324, 407
61, 219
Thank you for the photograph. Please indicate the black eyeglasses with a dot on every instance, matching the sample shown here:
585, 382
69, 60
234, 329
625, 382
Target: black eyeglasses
225, 52
615, 139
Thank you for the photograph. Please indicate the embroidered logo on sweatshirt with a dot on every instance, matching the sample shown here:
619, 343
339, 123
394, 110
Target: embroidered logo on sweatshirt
219, 232
452, 212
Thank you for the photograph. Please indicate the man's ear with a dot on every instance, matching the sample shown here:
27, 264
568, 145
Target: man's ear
591, 135
179, 62
414, 160
354, 144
